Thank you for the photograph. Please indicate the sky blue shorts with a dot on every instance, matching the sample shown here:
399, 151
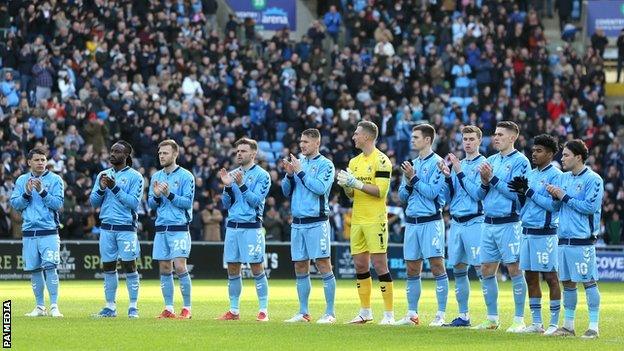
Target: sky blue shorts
41, 252
464, 242
310, 241
424, 240
578, 263
538, 253
119, 245
170, 245
500, 242
244, 245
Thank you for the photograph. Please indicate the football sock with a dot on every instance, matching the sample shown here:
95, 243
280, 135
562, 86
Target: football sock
235, 286
52, 283
519, 287
364, 287
490, 294
38, 285
442, 286
111, 280
132, 284
166, 286
570, 299
387, 291
462, 289
535, 304
414, 287
593, 305
185, 288
303, 291
555, 307
262, 290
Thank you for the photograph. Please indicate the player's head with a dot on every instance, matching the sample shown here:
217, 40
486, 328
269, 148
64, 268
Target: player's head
310, 142
575, 153
365, 134
505, 135
121, 154
246, 150
471, 136
168, 151
37, 159
423, 136
544, 149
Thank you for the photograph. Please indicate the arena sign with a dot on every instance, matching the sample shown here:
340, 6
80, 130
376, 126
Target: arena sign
81, 260
605, 14
268, 14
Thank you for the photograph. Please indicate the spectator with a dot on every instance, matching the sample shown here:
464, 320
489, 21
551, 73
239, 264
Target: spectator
333, 21
211, 218
599, 41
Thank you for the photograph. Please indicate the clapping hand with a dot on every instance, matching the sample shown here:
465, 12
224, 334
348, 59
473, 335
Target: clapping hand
519, 185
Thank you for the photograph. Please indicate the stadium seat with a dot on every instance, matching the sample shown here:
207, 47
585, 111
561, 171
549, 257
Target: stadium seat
264, 145
277, 146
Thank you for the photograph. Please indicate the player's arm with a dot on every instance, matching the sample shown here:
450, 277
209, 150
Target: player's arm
381, 183
471, 187
546, 202
228, 197
184, 200
323, 183
594, 191
97, 194
53, 199
405, 190
153, 201
132, 198
449, 189
288, 185
519, 169
254, 197
19, 199
430, 189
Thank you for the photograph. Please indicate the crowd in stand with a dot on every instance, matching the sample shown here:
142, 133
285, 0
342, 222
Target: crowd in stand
77, 75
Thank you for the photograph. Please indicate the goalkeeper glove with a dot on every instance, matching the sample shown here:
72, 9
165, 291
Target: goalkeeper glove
519, 185
348, 180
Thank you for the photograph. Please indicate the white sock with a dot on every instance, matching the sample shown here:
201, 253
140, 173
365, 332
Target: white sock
235, 311
518, 319
412, 313
568, 324
52, 306
169, 308
133, 305
389, 314
593, 326
440, 314
366, 312
464, 316
187, 307
111, 305
263, 310
492, 318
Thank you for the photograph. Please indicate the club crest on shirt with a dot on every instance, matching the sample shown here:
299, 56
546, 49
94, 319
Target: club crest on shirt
579, 187
425, 170
508, 168
369, 169
123, 180
176, 184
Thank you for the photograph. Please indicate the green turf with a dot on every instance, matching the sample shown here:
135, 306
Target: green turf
80, 299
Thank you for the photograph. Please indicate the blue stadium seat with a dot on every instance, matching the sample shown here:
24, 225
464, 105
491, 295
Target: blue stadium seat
277, 146
282, 126
280, 135
264, 146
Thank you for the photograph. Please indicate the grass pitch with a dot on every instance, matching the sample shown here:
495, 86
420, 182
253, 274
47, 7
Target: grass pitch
80, 299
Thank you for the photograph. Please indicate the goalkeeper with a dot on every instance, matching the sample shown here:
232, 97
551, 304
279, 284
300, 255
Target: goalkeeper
367, 181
